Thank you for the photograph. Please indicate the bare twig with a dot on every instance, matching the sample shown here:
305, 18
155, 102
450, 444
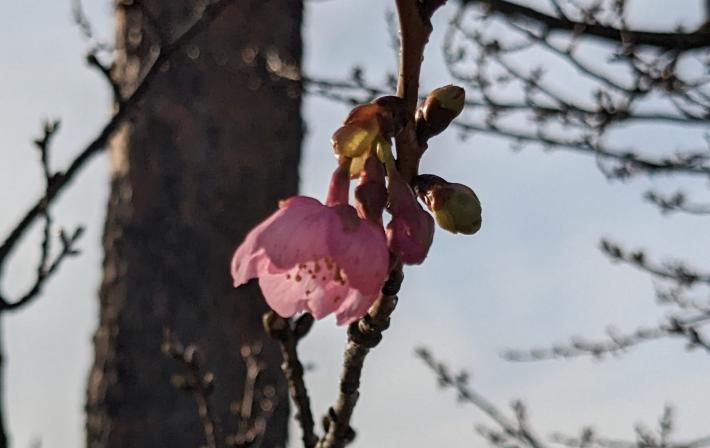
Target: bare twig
676, 202
517, 432
288, 336
363, 335
61, 179
667, 41
46, 265
674, 271
687, 328
193, 380
516, 429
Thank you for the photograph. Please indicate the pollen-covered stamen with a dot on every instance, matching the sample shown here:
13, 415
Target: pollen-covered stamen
315, 274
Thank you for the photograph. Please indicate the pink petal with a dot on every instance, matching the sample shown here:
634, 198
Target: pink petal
409, 236
354, 307
359, 247
296, 233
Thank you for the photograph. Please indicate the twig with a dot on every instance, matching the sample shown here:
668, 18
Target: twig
93, 61
363, 335
62, 179
46, 266
288, 336
193, 380
686, 328
667, 41
518, 430
674, 271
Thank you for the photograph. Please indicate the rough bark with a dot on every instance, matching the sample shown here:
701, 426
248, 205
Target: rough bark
210, 152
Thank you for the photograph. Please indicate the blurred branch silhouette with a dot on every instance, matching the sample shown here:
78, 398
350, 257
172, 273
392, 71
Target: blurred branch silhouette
515, 429
252, 412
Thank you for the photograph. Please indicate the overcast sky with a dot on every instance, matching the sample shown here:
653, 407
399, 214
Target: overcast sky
532, 276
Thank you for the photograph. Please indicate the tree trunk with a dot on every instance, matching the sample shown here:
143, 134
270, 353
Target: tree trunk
208, 155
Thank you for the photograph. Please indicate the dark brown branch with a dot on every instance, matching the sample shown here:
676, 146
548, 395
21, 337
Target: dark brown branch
363, 335
415, 29
193, 380
46, 266
62, 179
105, 71
288, 336
664, 41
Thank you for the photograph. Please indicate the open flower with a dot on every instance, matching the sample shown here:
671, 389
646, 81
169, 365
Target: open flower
317, 258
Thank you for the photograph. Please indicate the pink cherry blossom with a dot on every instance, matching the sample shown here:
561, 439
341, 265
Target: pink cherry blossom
317, 258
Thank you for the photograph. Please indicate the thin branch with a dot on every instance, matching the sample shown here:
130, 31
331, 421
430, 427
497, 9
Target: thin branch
62, 179
674, 271
617, 343
363, 335
287, 336
193, 380
105, 71
46, 266
676, 202
666, 41
459, 382
629, 162
517, 432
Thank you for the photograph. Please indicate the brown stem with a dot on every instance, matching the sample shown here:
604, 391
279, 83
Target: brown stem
363, 335
287, 336
415, 28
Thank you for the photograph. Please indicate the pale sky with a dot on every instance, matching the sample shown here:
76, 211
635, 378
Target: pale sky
532, 276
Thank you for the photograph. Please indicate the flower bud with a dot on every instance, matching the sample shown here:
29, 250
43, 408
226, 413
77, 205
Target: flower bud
439, 109
354, 140
411, 230
371, 193
456, 207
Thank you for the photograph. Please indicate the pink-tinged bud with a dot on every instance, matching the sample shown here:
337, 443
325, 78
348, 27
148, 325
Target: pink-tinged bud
456, 207
339, 188
439, 109
411, 231
371, 193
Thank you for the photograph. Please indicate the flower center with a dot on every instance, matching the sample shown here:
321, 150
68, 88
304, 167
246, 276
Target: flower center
317, 273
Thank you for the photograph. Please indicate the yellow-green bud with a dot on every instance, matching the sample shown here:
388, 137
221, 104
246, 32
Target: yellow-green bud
455, 207
354, 140
439, 109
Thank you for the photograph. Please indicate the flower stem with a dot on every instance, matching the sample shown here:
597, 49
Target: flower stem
363, 335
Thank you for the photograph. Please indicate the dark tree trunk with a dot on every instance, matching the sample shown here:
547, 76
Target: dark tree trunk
208, 155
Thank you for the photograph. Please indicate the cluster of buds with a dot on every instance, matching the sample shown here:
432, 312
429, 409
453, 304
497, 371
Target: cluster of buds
334, 257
